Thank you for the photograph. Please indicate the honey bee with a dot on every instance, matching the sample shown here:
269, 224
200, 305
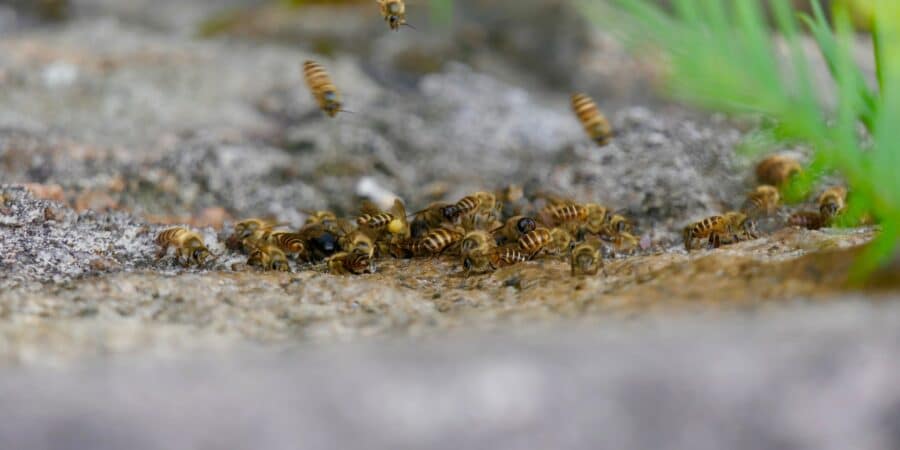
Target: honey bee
560, 213
586, 258
811, 220
475, 250
292, 244
776, 170
246, 229
832, 202
324, 91
625, 242
561, 241
321, 241
763, 200
742, 227
394, 13
345, 263
594, 223
436, 241
506, 256
372, 217
618, 224
711, 228
269, 257
514, 228
593, 121
435, 215
534, 241
358, 242
326, 218
478, 203
512, 199
189, 246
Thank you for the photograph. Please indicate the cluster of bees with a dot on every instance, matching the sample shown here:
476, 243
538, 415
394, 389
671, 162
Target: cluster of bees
485, 231
774, 174
472, 230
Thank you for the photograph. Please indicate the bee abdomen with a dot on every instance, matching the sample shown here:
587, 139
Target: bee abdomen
289, 242
167, 236
593, 121
534, 240
506, 256
467, 204
436, 241
810, 220
374, 221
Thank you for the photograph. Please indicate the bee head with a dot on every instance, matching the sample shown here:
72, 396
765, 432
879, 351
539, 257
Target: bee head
332, 103
199, 255
526, 224
828, 209
280, 265
450, 212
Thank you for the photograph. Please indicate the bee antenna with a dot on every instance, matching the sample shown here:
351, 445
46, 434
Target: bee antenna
346, 111
408, 25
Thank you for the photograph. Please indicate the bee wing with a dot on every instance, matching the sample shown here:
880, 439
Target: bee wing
398, 210
368, 207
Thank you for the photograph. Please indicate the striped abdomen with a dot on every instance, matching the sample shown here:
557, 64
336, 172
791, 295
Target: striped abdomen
777, 169
168, 237
566, 213
811, 220
533, 241
374, 221
324, 91
436, 241
288, 242
593, 121
506, 256
467, 204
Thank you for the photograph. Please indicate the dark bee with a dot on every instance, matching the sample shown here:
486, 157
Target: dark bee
324, 91
394, 13
514, 228
321, 242
593, 121
811, 220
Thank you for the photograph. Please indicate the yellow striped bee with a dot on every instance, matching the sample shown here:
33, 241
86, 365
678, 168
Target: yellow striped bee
269, 257
506, 256
394, 13
346, 263
435, 215
711, 228
561, 241
832, 202
245, 229
514, 228
762, 201
586, 258
534, 241
475, 250
292, 244
436, 241
560, 213
776, 170
357, 242
189, 246
593, 121
324, 91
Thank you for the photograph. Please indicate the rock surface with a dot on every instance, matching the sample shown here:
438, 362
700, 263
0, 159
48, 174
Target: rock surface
120, 121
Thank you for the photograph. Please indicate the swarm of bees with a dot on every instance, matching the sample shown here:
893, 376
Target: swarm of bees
485, 231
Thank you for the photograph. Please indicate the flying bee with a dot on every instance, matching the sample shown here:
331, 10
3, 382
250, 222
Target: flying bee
292, 244
357, 242
189, 246
514, 228
324, 91
811, 220
558, 214
435, 215
436, 241
710, 228
534, 241
394, 13
475, 250
832, 202
506, 256
561, 241
762, 201
776, 170
586, 258
346, 263
593, 121
269, 257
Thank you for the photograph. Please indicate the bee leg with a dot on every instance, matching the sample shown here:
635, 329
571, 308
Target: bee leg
714, 241
162, 252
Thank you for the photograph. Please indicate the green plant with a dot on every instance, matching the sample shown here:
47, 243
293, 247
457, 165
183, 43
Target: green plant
724, 55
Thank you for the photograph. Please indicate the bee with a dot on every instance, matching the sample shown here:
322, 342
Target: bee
246, 229
593, 121
558, 214
435, 215
358, 242
475, 250
811, 220
436, 241
594, 223
618, 224
832, 202
586, 258
189, 246
561, 241
625, 242
326, 218
324, 91
506, 256
269, 257
742, 227
372, 217
514, 228
763, 200
512, 199
478, 203
776, 170
344, 263
394, 13
321, 241
292, 244
534, 241
711, 228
